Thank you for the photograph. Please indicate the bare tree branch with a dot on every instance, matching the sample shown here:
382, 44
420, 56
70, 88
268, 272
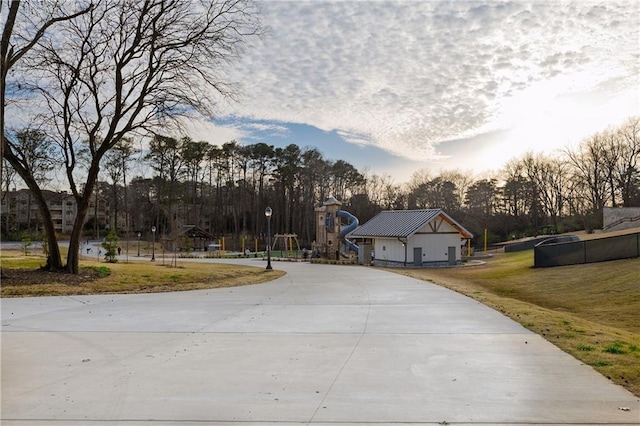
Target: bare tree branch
10, 54
123, 67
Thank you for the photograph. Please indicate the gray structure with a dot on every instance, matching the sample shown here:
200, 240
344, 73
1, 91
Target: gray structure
529, 244
618, 218
414, 238
555, 253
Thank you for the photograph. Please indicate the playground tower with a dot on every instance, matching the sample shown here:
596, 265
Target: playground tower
329, 232
328, 229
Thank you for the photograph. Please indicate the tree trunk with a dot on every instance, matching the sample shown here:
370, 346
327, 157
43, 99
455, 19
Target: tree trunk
126, 206
82, 202
115, 207
54, 261
73, 259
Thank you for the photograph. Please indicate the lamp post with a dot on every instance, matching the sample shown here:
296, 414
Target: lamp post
139, 234
268, 212
153, 246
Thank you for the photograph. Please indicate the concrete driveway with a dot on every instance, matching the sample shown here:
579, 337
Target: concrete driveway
322, 345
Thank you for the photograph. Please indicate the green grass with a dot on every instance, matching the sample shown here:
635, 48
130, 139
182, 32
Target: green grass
614, 348
585, 348
12, 259
607, 292
601, 364
103, 271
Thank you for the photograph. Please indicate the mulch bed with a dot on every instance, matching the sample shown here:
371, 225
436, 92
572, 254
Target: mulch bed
40, 276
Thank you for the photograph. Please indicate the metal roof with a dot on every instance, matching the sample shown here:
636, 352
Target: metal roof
402, 224
192, 231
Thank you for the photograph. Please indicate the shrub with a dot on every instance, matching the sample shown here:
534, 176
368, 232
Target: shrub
110, 244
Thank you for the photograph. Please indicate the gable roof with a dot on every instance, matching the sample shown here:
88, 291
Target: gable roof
192, 231
403, 224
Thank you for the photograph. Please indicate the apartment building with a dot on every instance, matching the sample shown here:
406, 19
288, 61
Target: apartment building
20, 211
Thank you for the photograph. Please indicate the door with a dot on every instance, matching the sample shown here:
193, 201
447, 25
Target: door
452, 256
417, 256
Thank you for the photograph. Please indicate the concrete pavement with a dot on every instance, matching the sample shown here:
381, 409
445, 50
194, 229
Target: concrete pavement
323, 345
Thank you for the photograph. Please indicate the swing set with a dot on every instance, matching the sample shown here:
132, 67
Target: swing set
287, 242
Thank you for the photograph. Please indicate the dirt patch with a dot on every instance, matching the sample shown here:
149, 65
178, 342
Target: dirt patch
17, 277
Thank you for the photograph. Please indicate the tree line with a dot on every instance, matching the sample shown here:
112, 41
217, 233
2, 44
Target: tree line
542, 193
225, 189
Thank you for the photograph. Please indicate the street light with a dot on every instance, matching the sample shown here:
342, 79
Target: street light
268, 212
139, 234
153, 246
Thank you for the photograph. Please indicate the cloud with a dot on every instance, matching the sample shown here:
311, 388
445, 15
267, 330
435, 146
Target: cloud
265, 128
407, 76
213, 133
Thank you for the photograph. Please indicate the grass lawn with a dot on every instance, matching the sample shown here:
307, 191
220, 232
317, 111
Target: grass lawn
590, 311
132, 277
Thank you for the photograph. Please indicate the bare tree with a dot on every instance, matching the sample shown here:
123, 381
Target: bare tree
626, 169
130, 67
588, 170
8, 179
14, 45
261, 158
547, 178
555, 176
606, 164
116, 164
462, 181
314, 173
194, 154
481, 197
513, 198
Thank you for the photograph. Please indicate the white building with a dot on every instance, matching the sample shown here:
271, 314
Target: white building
414, 238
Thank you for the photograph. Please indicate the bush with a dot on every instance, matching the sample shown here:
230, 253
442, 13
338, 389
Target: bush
26, 245
110, 244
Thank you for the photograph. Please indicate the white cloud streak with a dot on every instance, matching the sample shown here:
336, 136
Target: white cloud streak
407, 75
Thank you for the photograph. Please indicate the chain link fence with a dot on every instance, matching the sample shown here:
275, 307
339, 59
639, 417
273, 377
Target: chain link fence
557, 253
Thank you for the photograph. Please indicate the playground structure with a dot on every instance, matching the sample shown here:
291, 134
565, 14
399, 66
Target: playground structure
331, 241
287, 242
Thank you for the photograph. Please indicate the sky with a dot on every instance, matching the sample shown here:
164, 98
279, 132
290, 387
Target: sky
394, 87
